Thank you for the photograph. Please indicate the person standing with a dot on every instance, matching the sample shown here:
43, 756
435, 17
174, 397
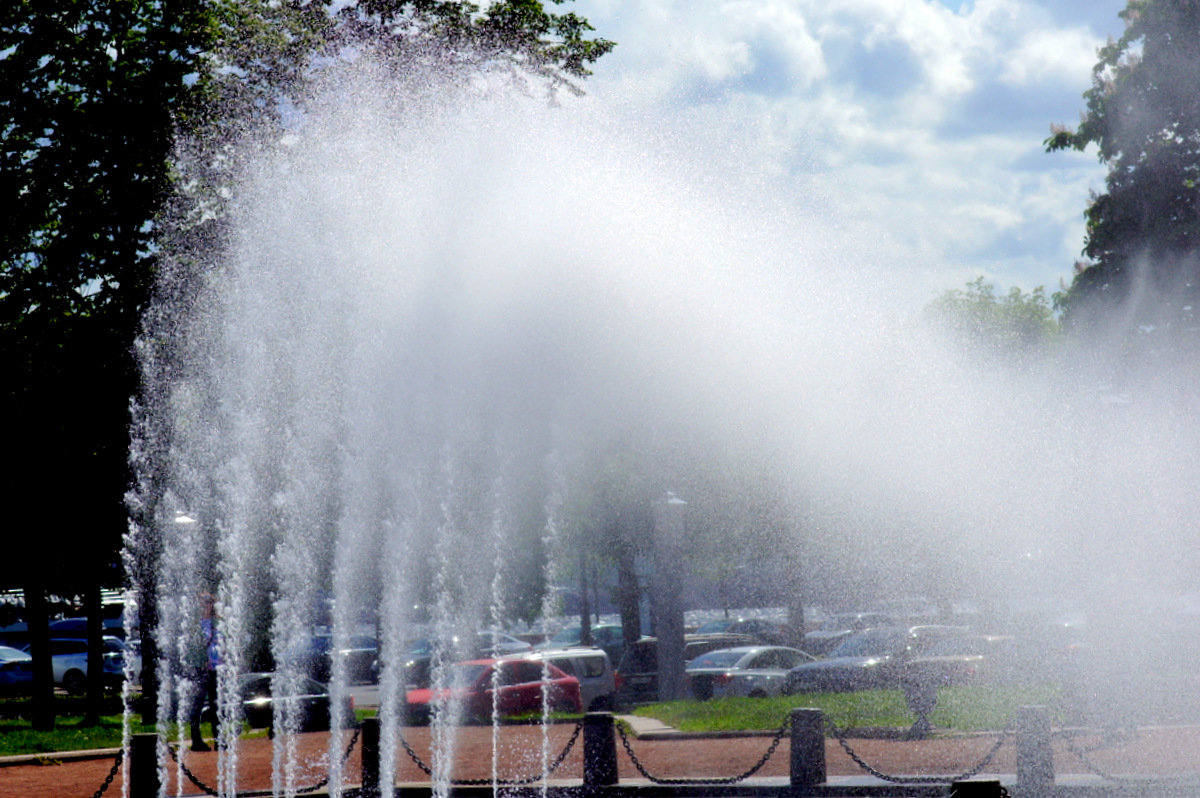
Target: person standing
204, 666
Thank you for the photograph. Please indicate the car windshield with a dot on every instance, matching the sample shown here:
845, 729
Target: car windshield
953, 646
713, 627
421, 646
569, 635
717, 659
871, 643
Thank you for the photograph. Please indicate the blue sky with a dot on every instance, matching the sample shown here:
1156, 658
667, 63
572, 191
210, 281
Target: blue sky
915, 123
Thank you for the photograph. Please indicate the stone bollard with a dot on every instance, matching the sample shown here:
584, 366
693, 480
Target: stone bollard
369, 741
599, 750
808, 747
143, 766
1035, 759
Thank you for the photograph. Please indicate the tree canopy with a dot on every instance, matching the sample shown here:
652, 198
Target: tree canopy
97, 97
1015, 323
1143, 114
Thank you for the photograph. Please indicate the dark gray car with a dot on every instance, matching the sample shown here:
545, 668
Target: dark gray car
870, 659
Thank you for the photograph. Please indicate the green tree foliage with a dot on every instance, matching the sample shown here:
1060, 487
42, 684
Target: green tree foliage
1014, 323
98, 97
87, 91
521, 36
1143, 114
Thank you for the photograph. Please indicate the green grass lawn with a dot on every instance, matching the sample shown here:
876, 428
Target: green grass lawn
958, 709
17, 736
71, 734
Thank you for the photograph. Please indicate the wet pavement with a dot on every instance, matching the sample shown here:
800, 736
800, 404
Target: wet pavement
663, 753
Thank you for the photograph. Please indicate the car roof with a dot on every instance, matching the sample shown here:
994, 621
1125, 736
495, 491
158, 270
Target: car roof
561, 653
742, 649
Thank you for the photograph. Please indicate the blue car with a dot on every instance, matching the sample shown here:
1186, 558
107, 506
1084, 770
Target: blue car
16, 671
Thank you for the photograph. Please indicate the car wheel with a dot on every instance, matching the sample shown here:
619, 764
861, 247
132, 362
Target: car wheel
75, 682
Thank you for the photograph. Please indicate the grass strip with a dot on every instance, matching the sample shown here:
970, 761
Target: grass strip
964, 709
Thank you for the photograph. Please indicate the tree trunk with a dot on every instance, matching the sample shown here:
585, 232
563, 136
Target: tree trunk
37, 620
95, 655
628, 592
585, 611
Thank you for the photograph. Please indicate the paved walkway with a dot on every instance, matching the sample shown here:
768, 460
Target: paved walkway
663, 752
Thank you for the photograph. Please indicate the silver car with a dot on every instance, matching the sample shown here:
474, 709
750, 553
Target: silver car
593, 669
753, 671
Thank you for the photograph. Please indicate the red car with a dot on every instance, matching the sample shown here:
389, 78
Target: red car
509, 686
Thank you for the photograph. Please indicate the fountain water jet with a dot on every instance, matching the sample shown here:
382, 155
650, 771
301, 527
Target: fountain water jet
414, 312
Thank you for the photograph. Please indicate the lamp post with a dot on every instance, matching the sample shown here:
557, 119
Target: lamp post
668, 594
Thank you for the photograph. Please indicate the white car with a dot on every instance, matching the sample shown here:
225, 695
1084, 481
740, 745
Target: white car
591, 666
753, 671
69, 663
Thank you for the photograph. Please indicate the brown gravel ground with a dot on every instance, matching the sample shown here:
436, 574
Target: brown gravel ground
1159, 751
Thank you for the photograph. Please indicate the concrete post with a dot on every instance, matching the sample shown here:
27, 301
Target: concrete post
143, 766
370, 757
599, 750
808, 747
1035, 759
668, 595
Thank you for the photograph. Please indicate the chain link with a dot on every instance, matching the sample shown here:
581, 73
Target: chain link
858, 760
779, 735
562, 757
112, 774
1087, 762
207, 790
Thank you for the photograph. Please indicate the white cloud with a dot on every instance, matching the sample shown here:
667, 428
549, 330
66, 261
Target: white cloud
916, 120
1044, 55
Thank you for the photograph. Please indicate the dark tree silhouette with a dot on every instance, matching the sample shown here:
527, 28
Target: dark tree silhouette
1143, 230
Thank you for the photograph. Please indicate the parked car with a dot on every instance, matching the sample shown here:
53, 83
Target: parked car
840, 626
313, 703
417, 661
360, 655
592, 667
869, 659
883, 657
112, 623
637, 672
768, 632
608, 636
69, 663
962, 659
16, 671
510, 686
753, 671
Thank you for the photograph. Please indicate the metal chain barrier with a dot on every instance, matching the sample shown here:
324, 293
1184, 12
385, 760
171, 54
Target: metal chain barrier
207, 790
112, 774
562, 757
1082, 756
779, 735
191, 776
858, 760
428, 771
